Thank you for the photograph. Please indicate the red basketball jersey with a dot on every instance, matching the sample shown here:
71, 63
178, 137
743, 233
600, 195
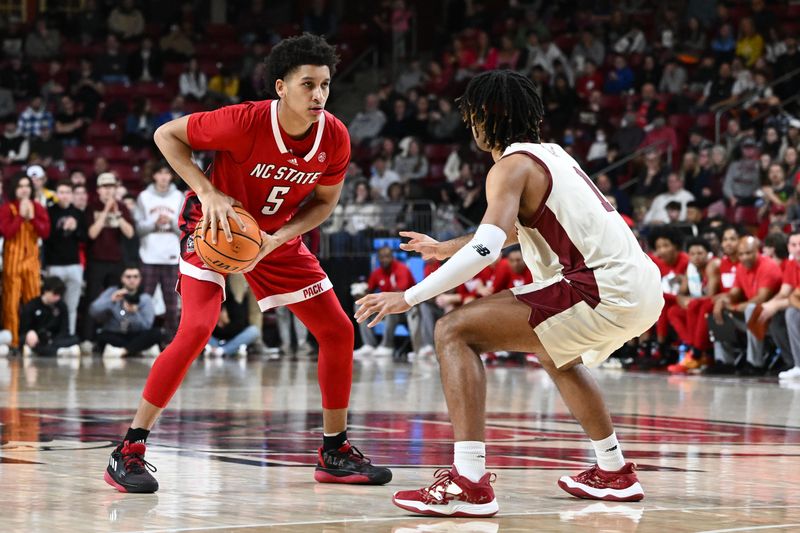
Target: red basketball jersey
727, 273
258, 164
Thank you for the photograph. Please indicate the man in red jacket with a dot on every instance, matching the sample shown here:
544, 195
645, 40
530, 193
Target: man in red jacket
390, 276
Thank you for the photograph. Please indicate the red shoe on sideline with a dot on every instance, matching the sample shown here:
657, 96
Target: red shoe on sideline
597, 484
451, 495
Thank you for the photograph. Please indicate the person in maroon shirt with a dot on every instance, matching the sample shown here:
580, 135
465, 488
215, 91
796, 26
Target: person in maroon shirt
390, 276
109, 222
758, 278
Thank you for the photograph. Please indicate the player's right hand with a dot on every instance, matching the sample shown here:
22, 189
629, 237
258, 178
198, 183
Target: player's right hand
427, 247
217, 207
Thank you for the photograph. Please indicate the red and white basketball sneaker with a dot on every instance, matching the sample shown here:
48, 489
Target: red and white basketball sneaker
451, 495
597, 484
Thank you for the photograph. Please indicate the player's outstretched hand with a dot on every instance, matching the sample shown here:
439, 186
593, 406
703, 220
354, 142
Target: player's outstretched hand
427, 247
217, 207
268, 244
380, 305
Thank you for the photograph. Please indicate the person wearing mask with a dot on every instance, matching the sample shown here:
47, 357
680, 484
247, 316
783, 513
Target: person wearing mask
62, 248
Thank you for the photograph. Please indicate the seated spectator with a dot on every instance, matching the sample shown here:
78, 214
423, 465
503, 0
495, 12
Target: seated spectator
446, 224
511, 271
652, 178
146, 63
14, 147
672, 263
233, 333
19, 77
351, 225
607, 188
393, 210
176, 109
757, 280
367, 124
288, 322
112, 66
662, 136
44, 324
125, 315
779, 192
390, 276
411, 77
472, 197
508, 56
742, 180
7, 106
750, 45
45, 149
445, 122
657, 214
588, 50
718, 92
224, 86
177, 45
70, 126
791, 163
62, 248
399, 123
648, 72
693, 39
193, 82
620, 78
724, 45
674, 78
411, 164
41, 194
590, 80
126, 21
381, 177
140, 124
320, 19
42, 43
693, 292
87, 88
35, 118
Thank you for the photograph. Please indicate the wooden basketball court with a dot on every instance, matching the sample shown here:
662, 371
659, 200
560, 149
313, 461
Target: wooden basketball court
236, 447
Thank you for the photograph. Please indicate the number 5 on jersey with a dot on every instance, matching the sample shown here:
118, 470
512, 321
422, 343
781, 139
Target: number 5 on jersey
274, 200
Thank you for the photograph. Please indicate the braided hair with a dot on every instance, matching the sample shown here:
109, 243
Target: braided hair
505, 105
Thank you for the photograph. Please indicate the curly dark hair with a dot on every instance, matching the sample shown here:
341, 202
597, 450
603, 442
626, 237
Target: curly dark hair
291, 53
506, 105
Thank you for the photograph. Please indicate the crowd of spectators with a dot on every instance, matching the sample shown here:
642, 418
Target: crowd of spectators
683, 113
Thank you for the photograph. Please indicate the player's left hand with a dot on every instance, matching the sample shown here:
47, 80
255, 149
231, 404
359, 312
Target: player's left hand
380, 305
268, 244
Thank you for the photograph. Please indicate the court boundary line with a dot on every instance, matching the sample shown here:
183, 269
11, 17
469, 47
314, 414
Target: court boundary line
750, 528
421, 517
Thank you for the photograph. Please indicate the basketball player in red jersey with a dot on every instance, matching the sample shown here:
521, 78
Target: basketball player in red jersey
594, 288
271, 156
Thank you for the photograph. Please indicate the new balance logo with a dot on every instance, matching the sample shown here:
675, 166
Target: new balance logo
612, 449
481, 249
293, 161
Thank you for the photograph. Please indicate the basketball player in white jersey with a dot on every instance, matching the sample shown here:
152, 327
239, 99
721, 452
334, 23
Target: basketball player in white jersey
594, 289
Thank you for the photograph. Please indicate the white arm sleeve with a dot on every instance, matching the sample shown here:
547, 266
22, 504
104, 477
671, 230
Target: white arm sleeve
480, 252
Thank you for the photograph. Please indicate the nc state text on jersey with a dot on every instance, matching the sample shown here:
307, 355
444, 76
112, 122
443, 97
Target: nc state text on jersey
291, 175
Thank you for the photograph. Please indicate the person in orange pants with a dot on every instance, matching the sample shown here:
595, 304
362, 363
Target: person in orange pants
22, 222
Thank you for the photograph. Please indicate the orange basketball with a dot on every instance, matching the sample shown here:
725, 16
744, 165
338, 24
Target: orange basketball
229, 257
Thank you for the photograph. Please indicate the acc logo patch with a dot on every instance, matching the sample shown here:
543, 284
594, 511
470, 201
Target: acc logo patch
321, 157
190, 243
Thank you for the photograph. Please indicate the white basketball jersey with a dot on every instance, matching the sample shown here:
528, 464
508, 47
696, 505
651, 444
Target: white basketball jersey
577, 235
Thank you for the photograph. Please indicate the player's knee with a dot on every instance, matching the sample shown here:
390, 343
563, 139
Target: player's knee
448, 328
337, 330
196, 331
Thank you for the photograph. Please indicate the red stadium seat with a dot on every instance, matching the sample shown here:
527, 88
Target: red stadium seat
438, 153
103, 133
79, 154
117, 154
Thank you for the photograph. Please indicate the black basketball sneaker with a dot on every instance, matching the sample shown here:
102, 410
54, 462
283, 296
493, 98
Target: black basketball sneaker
127, 470
348, 465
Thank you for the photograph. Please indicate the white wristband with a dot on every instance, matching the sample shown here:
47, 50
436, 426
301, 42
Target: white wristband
480, 252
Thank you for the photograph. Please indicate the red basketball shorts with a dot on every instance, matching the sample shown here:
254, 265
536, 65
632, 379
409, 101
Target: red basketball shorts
288, 275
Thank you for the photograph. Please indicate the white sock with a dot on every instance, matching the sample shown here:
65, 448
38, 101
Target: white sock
609, 453
469, 458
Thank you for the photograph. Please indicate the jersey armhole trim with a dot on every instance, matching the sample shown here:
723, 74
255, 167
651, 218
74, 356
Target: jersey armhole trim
531, 222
